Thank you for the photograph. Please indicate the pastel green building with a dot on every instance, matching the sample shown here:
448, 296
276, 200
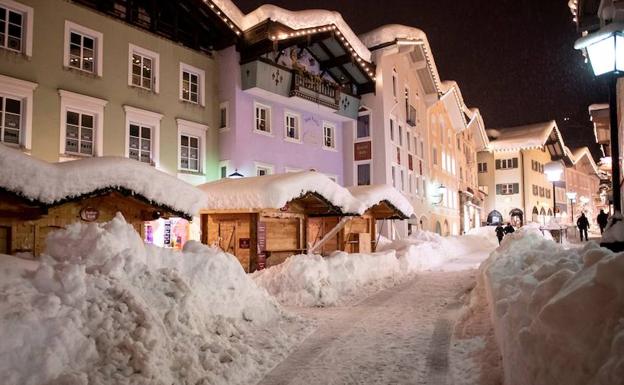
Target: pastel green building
92, 78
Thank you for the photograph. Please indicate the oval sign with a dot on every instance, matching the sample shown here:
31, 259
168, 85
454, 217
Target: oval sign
89, 214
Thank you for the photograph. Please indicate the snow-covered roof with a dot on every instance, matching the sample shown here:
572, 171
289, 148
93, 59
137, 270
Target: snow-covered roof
309, 18
523, 137
231, 11
579, 153
376, 194
50, 183
477, 126
275, 191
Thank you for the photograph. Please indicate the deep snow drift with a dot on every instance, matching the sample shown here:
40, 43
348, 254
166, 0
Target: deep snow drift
312, 280
104, 308
558, 314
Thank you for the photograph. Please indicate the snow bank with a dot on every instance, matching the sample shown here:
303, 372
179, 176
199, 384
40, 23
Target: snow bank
558, 314
275, 191
375, 194
615, 230
104, 308
49, 183
311, 280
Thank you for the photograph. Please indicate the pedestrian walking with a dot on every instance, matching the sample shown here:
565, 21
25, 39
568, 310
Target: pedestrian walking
583, 225
500, 232
509, 228
602, 219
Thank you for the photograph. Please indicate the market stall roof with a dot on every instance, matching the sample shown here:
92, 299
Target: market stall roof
383, 201
315, 191
532, 136
50, 184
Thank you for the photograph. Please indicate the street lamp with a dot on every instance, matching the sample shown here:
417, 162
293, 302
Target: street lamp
553, 171
441, 192
605, 50
572, 197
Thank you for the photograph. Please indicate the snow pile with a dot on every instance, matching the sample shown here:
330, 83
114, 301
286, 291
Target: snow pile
615, 230
311, 280
375, 194
50, 183
275, 191
104, 308
531, 136
558, 314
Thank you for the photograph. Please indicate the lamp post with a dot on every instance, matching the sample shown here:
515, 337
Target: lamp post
572, 197
605, 50
553, 171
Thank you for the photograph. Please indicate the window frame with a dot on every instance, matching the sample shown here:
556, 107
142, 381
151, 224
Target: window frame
269, 122
356, 173
23, 90
197, 130
224, 106
368, 113
265, 166
98, 51
201, 86
297, 117
155, 57
144, 118
28, 16
82, 104
332, 128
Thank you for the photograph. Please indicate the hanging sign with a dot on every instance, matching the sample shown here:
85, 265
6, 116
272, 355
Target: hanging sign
167, 233
89, 214
261, 245
362, 151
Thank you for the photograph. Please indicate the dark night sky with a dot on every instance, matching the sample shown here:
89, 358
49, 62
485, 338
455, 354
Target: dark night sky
513, 59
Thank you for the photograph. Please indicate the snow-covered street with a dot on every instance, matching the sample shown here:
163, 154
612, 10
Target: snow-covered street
400, 335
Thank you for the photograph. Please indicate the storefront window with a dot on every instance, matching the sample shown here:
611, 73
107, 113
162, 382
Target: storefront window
171, 233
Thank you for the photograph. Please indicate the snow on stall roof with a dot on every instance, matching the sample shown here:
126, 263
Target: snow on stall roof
375, 194
534, 135
49, 183
390, 33
308, 18
275, 191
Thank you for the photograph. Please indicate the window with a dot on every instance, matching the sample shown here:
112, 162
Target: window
291, 123
263, 169
82, 124
402, 180
83, 48
547, 193
408, 140
223, 170
364, 174
363, 126
504, 164
435, 156
391, 129
458, 144
394, 177
400, 135
143, 70
10, 120
541, 191
394, 82
329, 136
191, 84
16, 27
223, 116
507, 188
262, 118
79, 133
142, 135
407, 99
191, 146
482, 167
444, 167
422, 149
535, 190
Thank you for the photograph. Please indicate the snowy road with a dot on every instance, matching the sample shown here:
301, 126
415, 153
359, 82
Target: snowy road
397, 336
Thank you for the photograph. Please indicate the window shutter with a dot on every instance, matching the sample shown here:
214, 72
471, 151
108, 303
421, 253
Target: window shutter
498, 164
516, 186
484, 167
499, 188
515, 162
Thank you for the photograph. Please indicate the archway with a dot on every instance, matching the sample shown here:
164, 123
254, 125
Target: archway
494, 217
543, 216
438, 228
446, 228
535, 215
517, 217
424, 224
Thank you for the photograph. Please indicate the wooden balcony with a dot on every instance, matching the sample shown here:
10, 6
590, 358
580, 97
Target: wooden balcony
316, 89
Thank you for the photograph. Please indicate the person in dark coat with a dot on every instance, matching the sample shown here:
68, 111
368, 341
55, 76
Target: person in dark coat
583, 224
602, 219
509, 229
500, 232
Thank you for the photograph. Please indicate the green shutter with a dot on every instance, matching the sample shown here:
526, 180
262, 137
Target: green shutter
498, 164
499, 188
515, 162
516, 186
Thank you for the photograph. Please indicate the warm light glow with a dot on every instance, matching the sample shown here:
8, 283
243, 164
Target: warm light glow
571, 195
602, 55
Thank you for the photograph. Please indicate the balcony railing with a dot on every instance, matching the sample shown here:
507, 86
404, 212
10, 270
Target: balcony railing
411, 116
316, 89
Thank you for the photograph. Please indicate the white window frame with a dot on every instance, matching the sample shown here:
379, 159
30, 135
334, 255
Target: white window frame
370, 126
132, 49
393, 125
201, 86
199, 130
297, 117
331, 126
99, 46
226, 164
28, 17
226, 107
23, 90
84, 104
268, 119
147, 119
266, 166
356, 175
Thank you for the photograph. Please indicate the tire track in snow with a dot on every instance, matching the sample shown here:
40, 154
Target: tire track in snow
438, 354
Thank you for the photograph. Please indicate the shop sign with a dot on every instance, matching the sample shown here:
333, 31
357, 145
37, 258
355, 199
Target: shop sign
261, 261
243, 243
167, 233
89, 214
362, 150
261, 245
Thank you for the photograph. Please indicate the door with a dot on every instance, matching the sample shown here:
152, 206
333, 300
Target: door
5, 240
227, 236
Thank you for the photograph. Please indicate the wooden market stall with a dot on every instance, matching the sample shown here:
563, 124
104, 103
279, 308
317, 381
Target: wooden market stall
37, 197
273, 224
